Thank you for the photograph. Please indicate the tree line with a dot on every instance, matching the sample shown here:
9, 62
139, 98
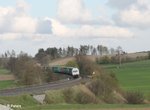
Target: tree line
44, 56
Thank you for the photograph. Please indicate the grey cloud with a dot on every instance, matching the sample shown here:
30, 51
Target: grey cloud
121, 4
5, 26
44, 27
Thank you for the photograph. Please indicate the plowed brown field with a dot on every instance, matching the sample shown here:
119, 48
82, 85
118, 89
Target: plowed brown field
6, 77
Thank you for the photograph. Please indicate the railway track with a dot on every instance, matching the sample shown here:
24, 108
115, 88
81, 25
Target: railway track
39, 89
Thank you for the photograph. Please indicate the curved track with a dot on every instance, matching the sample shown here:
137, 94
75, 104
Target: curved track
38, 89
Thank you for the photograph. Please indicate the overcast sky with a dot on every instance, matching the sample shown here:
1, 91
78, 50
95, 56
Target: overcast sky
27, 25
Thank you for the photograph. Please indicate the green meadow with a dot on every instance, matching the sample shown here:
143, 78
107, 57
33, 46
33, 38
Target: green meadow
3, 71
7, 84
133, 76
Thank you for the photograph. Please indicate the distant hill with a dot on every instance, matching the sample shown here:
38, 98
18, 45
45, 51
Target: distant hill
137, 54
63, 61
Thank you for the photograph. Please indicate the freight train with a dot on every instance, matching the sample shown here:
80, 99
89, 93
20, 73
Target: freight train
72, 71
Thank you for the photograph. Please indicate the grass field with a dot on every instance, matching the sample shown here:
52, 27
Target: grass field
7, 84
133, 76
3, 71
23, 100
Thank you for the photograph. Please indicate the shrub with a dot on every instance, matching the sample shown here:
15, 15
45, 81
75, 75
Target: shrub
85, 96
99, 88
104, 60
86, 67
54, 97
72, 64
68, 95
102, 84
78, 94
134, 97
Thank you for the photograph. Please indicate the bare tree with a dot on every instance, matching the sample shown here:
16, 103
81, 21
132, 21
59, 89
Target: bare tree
119, 54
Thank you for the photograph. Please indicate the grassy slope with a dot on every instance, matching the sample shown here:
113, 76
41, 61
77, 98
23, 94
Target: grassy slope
28, 103
133, 76
23, 100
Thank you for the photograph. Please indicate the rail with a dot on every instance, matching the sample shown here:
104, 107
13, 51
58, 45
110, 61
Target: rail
38, 89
